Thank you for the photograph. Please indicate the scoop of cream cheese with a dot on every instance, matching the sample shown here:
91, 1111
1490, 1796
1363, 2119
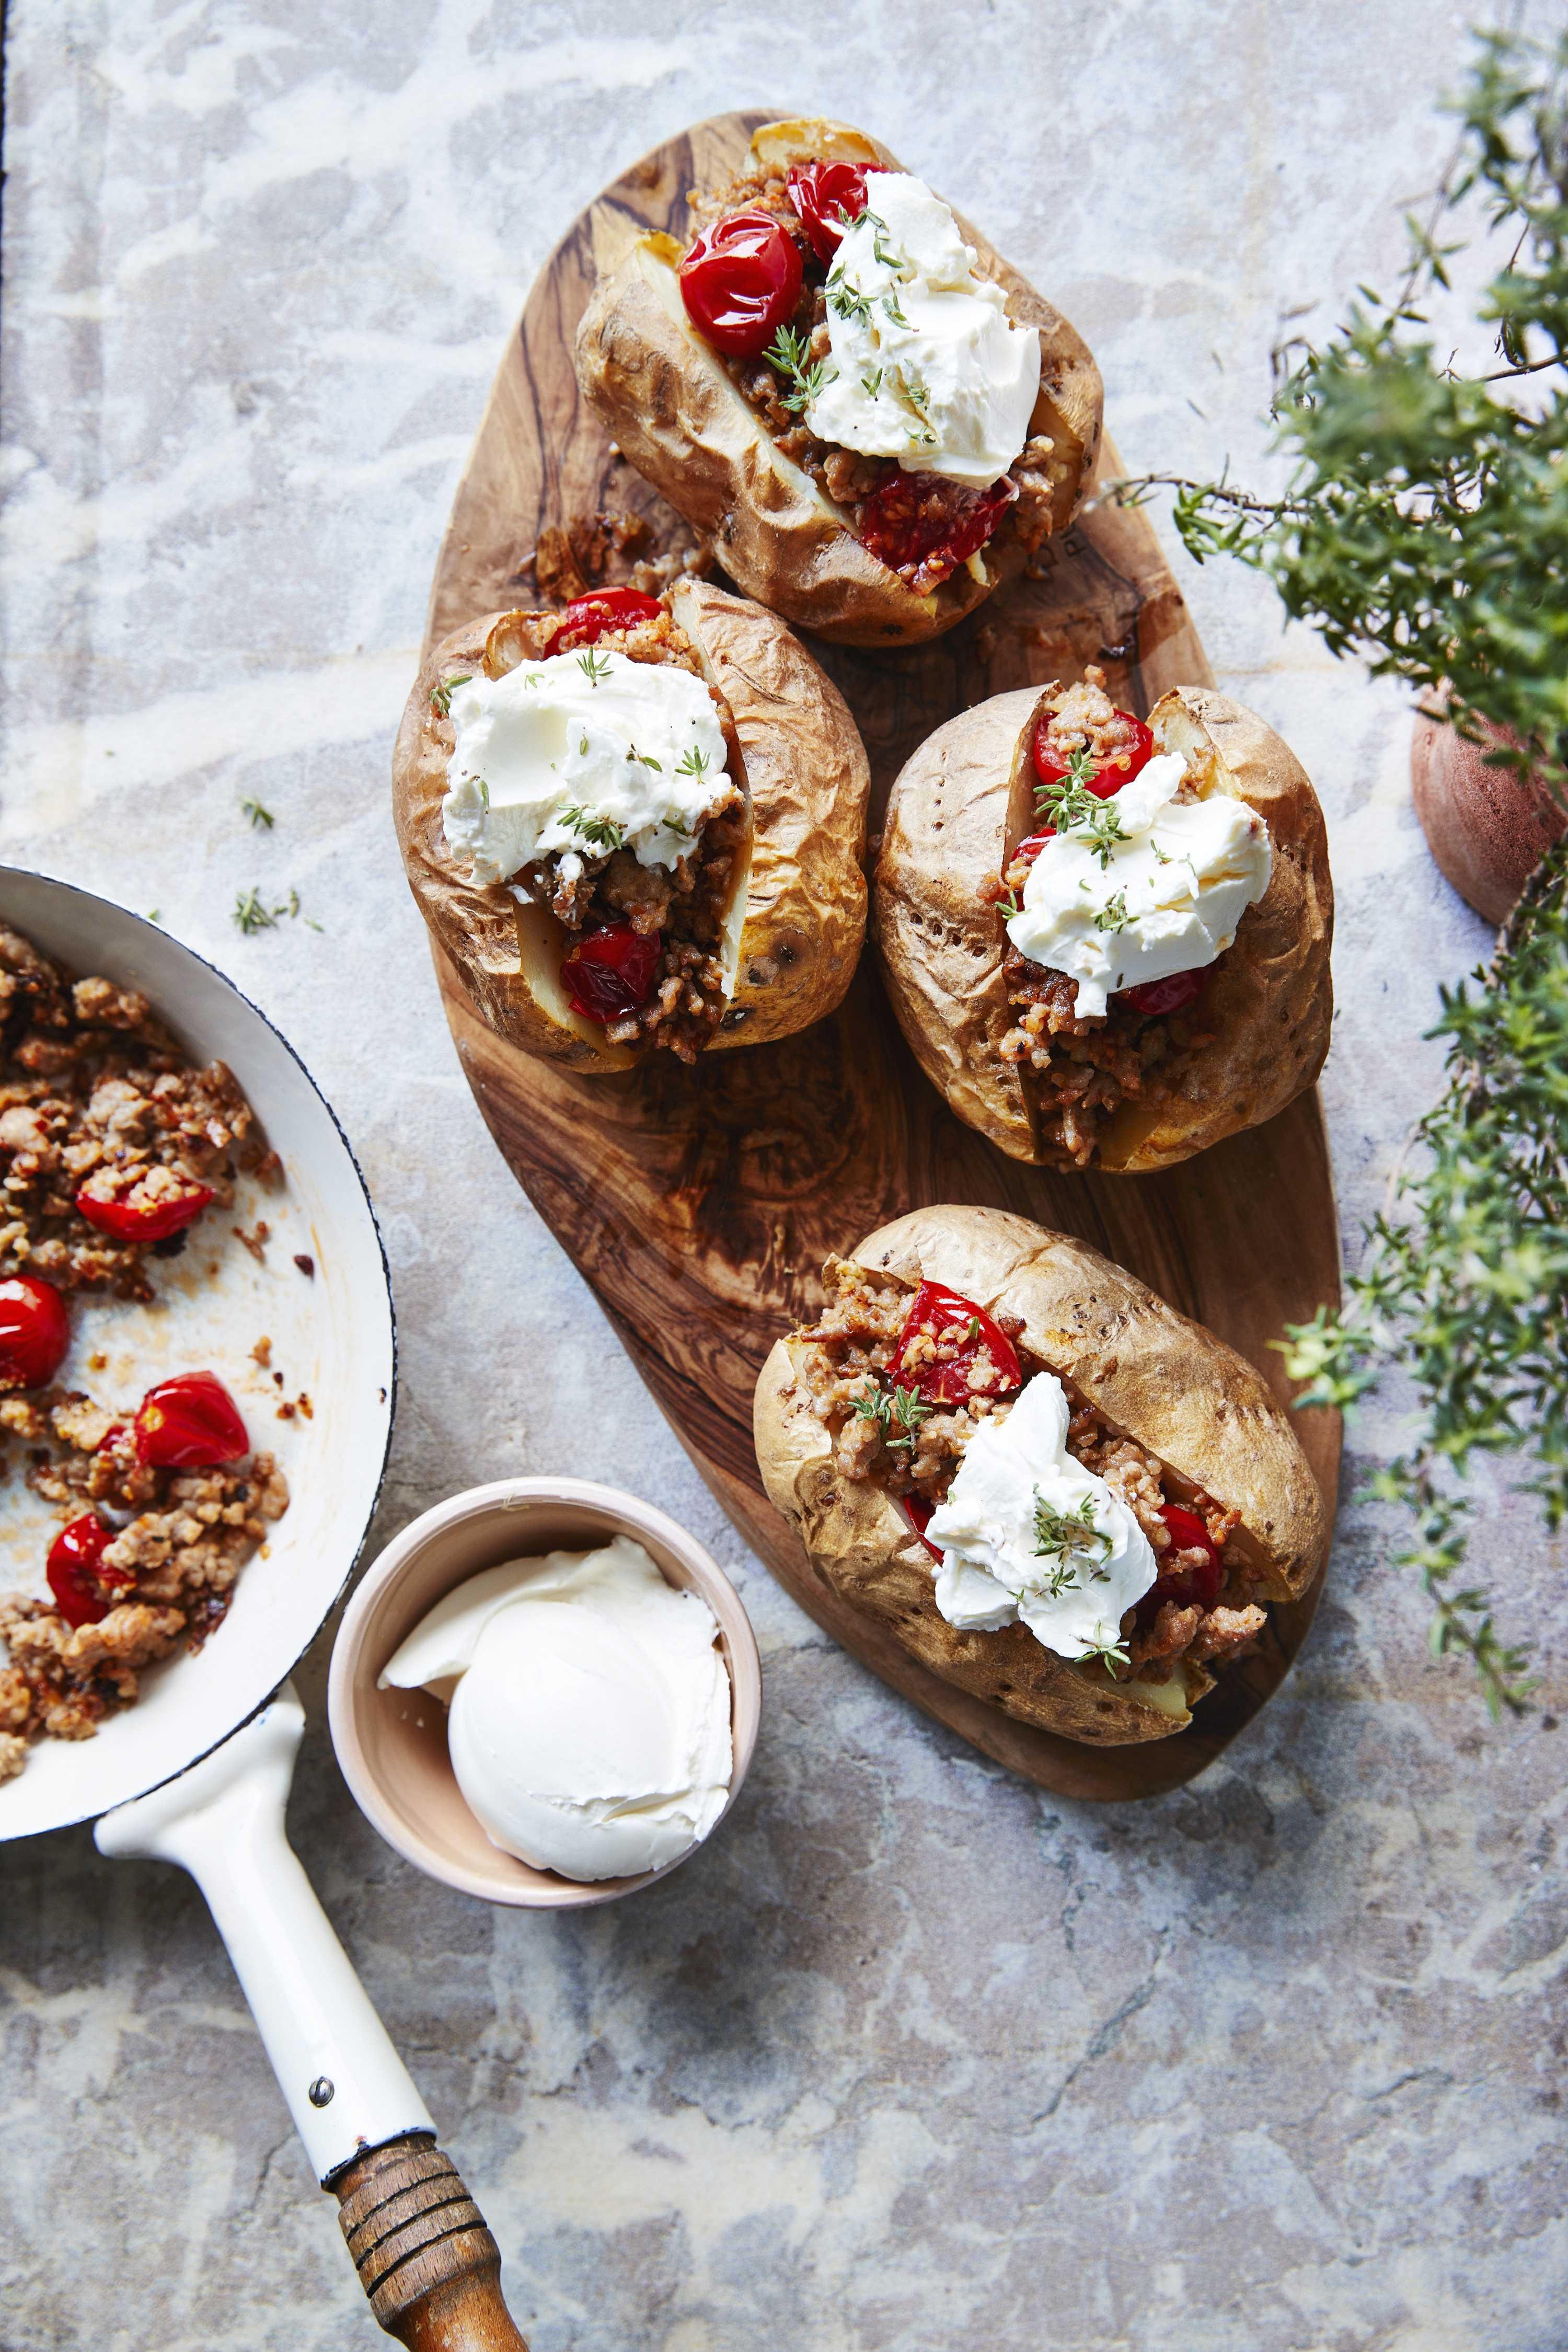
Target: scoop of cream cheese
1014, 1471
553, 751
925, 364
1166, 898
589, 1722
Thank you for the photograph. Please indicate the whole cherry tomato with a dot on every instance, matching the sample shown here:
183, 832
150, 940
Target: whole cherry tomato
936, 1311
1108, 780
1188, 1586
189, 1422
77, 1577
35, 1331
587, 617
1172, 994
926, 525
741, 282
609, 973
920, 1513
152, 1218
828, 198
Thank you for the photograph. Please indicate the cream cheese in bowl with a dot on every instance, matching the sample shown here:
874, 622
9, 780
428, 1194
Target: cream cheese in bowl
589, 1708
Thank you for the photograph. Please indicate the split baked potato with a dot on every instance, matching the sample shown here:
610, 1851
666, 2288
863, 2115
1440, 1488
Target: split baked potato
1164, 1070
752, 925
935, 1331
868, 552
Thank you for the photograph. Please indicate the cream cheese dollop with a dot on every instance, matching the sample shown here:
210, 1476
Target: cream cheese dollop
589, 1708
1165, 895
578, 754
924, 363
1017, 1484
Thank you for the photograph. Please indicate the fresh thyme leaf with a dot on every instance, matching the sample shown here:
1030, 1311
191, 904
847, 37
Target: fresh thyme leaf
261, 819
846, 301
887, 1406
1069, 1538
598, 832
596, 668
1070, 807
251, 913
1108, 1650
694, 763
878, 231
891, 305
1113, 916
441, 696
872, 384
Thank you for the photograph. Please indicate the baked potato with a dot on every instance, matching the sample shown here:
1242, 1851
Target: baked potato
1179, 868
659, 845
872, 475
1155, 1503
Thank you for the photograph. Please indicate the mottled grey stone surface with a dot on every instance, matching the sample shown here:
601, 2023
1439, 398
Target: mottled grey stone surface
912, 2055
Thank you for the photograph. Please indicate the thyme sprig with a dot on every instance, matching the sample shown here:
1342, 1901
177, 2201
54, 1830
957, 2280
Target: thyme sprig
441, 696
598, 832
261, 819
788, 354
1068, 1537
251, 913
1425, 527
1070, 807
886, 1406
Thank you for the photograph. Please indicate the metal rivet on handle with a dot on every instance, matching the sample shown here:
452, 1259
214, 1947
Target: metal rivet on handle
322, 2091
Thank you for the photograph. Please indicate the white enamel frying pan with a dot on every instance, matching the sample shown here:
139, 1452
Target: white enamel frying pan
197, 1771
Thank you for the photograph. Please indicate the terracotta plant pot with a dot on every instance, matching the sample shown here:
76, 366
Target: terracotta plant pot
1488, 828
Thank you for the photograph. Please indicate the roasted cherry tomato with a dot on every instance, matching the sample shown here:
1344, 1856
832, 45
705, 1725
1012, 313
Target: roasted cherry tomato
741, 282
78, 1579
938, 1311
1172, 994
1106, 780
828, 198
587, 617
1187, 1586
925, 525
1029, 850
137, 1214
609, 973
189, 1422
35, 1331
920, 1513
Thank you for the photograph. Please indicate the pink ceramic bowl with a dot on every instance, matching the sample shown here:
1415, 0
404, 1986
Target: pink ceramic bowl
391, 1744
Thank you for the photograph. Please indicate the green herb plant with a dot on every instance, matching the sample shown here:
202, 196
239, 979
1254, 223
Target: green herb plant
1425, 527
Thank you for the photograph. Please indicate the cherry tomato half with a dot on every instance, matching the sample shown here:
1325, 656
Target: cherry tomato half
1187, 1587
741, 282
609, 973
926, 525
189, 1422
587, 617
936, 1312
135, 1212
920, 1513
1108, 780
35, 1331
77, 1577
1172, 994
828, 198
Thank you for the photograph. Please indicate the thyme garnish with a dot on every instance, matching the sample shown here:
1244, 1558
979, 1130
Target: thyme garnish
694, 763
262, 819
1113, 916
594, 666
786, 353
598, 832
1070, 807
251, 913
1109, 1653
441, 696
1066, 1538
902, 1405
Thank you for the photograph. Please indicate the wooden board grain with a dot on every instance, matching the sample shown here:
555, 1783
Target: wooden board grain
700, 1204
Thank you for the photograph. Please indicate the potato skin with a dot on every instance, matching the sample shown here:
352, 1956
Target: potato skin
804, 771
1174, 1387
677, 415
1271, 998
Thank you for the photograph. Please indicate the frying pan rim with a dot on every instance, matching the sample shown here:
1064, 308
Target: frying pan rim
101, 897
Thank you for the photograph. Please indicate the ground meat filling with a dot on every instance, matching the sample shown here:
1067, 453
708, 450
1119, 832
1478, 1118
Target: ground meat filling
1083, 1069
183, 1537
846, 476
681, 906
850, 1349
91, 1084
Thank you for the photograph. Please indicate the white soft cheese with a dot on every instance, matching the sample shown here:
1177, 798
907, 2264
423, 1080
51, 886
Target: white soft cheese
581, 741
925, 364
993, 1572
589, 1722
1167, 897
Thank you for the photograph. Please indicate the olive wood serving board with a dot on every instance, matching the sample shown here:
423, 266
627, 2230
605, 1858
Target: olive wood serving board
700, 1204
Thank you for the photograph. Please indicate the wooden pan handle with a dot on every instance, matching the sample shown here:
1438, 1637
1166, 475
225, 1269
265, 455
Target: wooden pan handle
424, 2257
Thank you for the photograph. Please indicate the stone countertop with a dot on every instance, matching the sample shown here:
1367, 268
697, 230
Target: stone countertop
912, 2055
